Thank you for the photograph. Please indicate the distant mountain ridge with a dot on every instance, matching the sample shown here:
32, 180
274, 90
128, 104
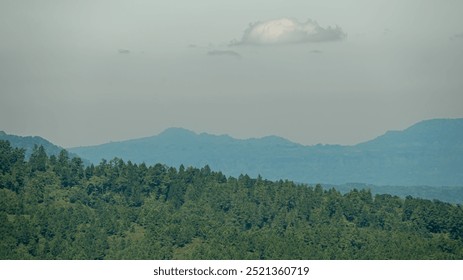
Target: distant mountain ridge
435, 132
427, 153
28, 142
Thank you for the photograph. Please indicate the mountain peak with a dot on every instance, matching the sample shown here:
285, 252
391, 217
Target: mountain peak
439, 125
444, 133
277, 140
177, 132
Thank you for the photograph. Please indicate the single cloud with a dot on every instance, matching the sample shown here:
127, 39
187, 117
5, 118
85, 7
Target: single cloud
224, 53
288, 31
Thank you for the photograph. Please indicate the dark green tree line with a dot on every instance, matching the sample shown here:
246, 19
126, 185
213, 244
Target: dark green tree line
57, 208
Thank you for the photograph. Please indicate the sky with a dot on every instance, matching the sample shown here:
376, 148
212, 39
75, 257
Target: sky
324, 71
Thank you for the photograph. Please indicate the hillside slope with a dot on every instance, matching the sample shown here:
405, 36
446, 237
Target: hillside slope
28, 142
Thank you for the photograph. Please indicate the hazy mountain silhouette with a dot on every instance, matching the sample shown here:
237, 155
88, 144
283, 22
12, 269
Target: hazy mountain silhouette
28, 142
427, 153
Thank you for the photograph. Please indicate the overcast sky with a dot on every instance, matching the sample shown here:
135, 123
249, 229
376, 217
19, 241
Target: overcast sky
323, 71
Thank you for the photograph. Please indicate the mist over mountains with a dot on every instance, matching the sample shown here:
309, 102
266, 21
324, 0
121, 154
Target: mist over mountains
427, 153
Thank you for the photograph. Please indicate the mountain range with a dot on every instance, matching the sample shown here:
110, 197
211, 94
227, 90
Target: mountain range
427, 153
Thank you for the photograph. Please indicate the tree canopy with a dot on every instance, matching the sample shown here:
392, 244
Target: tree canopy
57, 208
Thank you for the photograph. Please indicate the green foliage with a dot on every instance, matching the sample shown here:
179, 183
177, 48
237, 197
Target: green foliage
54, 208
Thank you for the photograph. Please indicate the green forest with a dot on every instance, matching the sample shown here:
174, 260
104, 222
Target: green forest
55, 207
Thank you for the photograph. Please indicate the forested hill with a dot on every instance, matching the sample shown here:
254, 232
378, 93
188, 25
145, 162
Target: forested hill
55, 208
29, 142
428, 153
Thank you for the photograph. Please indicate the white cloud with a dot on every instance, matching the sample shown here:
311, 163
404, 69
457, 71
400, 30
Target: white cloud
288, 31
